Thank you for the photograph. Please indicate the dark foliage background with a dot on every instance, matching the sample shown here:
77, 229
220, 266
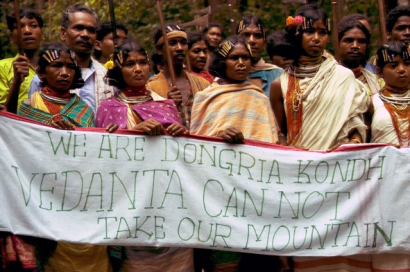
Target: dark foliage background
141, 18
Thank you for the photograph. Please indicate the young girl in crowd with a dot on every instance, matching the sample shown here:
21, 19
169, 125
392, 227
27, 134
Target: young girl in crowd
319, 106
137, 108
391, 105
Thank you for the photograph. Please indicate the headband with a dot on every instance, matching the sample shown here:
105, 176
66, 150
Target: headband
172, 34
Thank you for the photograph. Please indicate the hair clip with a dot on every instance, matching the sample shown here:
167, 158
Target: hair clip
241, 26
146, 54
307, 23
169, 29
73, 57
387, 57
249, 49
405, 54
50, 55
120, 59
225, 48
328, 24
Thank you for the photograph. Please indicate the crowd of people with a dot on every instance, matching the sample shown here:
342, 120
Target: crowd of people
303, 97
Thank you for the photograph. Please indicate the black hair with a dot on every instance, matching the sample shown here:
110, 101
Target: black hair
312, 12
277, 45
249, 20
24, 12
347, 23
121, 54
357, 17
65, 19
214, 24
156, 59
194, 37
218, 64
157, 34
105, 28
394, 15
78, 81
395, 48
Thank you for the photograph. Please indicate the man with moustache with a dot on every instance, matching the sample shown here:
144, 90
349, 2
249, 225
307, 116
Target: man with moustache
354, 41
78, 32
187, 84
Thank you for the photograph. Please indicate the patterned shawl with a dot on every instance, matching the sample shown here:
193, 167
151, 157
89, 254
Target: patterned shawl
76, 111
114, 111
243, 106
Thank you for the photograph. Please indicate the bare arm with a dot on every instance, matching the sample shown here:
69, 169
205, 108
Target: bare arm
276, 101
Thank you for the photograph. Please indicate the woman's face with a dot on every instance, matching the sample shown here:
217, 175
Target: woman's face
198, 55
59, 74
315, 39
396, 74
238, 64
214, 36
135, 70
254, 37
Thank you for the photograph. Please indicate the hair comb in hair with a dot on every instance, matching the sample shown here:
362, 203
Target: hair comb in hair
225, 48
50, 55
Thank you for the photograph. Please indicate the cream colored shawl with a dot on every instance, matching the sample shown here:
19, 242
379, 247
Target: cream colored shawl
333, 106
371, 80
382, 125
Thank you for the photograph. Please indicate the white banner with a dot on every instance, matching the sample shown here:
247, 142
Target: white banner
131, 189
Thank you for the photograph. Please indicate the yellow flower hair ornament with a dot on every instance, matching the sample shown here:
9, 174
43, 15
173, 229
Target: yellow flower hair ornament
109, 64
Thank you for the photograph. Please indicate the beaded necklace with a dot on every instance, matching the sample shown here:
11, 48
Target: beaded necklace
396, 102
133, 98
307, 68
54, 101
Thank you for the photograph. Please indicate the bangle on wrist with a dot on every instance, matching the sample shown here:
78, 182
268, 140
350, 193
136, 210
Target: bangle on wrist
356, 140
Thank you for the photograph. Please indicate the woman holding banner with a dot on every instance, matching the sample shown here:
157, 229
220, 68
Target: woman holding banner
319, 106
391, 121
235, 110
56, 106
134, 106
137, 108
390, 106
